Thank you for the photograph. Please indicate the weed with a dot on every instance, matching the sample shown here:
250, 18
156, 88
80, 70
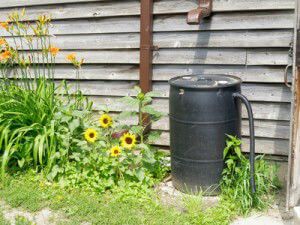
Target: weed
20, 220
235, 183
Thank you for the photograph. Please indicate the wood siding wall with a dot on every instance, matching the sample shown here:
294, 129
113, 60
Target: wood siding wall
246, 38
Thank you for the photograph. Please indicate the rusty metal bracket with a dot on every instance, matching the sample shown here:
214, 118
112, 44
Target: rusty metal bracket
286, 82
204, 10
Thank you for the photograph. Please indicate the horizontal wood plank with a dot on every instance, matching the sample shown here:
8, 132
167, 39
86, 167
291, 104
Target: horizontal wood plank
211, 56
222, 56
263, 145
94, 8
220, 21
21, 3
228, 21
261, 110
265, 74
181, 6
269, 129
271, 38
242, 39
79, 10
255, 74
254, 92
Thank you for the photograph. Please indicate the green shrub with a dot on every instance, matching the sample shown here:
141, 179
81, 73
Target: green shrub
107, 152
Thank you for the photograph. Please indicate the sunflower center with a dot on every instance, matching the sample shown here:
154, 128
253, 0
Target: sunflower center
128, 140
116, 151
92, 135
105, 121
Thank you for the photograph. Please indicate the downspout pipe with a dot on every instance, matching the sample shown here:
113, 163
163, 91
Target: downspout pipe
146, 45
146, 53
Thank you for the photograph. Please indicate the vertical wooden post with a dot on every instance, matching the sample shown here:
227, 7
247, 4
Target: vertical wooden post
293, 180
146, 45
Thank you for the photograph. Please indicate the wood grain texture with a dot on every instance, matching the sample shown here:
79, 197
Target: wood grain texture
209, 56
21, 3
261, 110
254, 92
222, 56
211, 39
250, 74
228, 21
98, 8
263, 145
264, 74
266, 129
219, 21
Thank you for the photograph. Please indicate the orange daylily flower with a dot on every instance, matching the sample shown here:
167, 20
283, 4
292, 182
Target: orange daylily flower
5, 55
4, 25
2, 41
71, 57
54, 50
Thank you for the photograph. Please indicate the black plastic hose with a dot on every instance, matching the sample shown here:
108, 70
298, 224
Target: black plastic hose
252, 139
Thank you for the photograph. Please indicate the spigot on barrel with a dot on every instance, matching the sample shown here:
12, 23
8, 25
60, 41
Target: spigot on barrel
204, 10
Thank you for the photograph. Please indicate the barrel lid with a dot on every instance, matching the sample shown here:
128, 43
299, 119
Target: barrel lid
204, 81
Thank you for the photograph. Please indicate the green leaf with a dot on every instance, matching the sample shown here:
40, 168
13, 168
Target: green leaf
137, 89
137, 129
74, 124
237, 151
129, 172
152, 94
21, 162
125, 115
153, 136
150, 110
130, 101
140, 174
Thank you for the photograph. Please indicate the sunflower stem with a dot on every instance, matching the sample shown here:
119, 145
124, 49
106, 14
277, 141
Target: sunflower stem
141, 120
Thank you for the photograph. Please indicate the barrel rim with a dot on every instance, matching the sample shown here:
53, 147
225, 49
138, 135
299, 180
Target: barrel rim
239, 81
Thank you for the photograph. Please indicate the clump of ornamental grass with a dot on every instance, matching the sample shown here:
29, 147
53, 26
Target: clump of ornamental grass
31, 105
235, 183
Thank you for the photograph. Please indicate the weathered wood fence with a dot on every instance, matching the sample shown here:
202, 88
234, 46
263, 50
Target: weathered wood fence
247, 38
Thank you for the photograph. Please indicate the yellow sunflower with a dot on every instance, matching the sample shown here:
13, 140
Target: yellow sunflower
90, 135
105, 121
128, 140
115, 151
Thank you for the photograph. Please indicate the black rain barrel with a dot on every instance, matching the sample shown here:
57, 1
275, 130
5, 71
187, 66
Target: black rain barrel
203, 109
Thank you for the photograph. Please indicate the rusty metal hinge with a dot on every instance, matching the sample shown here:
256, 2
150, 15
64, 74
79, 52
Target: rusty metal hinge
204, 10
